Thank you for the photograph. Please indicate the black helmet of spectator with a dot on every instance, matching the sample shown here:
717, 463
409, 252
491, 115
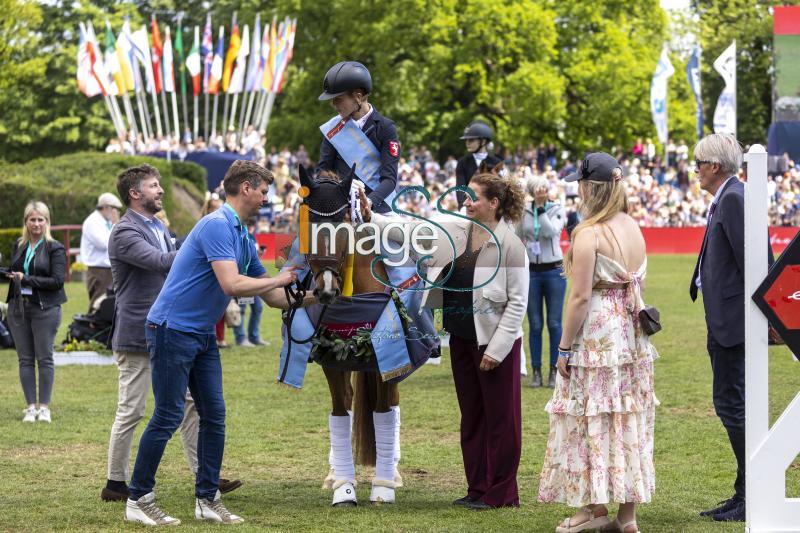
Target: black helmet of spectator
478, 129
344, 77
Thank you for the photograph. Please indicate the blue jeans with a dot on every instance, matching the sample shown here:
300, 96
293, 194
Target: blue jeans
253, 326
178, 359
548, 287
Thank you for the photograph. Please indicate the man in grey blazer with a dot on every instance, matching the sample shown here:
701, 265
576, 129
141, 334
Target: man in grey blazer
141, 253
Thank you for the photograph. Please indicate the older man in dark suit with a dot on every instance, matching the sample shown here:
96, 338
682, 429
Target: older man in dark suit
719, 275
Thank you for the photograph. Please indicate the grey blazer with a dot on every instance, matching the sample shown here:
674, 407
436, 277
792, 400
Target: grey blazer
139, 268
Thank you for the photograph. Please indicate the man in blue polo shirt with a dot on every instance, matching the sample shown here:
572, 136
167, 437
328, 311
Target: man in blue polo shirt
216, 262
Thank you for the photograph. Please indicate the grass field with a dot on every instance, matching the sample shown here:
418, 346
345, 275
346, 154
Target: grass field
277, 442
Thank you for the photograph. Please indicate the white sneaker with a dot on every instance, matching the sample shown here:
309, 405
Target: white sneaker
145, 511
29, 414
215, 511
245, 344
43, 414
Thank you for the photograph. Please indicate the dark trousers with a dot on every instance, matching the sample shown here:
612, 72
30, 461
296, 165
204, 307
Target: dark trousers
491, 421
178, 359
98, 281
546, 287
727, 365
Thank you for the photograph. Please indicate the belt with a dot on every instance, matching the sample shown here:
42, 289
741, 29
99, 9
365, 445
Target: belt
544, 267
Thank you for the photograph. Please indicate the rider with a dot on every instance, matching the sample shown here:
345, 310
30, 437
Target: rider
348, 84
478, 138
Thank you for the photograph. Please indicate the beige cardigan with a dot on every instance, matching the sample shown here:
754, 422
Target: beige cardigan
499, 306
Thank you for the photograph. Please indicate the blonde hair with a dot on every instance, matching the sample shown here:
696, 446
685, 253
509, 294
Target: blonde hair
42, 209
600, 201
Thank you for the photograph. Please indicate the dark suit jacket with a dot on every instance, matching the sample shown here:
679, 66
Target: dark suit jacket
722, 270
467, 167
383, 134
139, 268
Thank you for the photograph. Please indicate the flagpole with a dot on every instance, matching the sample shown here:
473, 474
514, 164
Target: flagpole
225, 115
247, 114
114, 121
259, 108
126, 103
118, 114
205, 122
144, 114
196, 120
241, 118
233, 111
267, 112
177, 129
157, 113
166, 111
214, 115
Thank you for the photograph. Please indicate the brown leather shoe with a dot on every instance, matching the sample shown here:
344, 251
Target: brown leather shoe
109, 495
228, 485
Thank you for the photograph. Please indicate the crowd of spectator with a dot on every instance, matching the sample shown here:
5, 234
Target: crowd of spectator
662, 191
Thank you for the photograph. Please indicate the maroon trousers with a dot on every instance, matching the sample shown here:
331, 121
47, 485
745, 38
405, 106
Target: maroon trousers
491, 421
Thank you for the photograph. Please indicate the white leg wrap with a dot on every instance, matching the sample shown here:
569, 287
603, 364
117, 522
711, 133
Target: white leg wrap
341, 448
398, 480
385, 437
329, 480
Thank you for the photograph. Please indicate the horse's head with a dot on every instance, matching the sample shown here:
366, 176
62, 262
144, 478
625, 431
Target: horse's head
327, 200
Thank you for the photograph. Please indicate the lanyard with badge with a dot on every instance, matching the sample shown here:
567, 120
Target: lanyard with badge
243, 235
30, 252
534, 247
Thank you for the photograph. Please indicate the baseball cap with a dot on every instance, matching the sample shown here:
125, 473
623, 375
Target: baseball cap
596, 166
109, 199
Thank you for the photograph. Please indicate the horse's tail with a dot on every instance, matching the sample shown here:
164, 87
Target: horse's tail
364, 402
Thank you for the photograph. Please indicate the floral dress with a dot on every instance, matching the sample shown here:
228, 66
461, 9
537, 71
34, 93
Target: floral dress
600, 446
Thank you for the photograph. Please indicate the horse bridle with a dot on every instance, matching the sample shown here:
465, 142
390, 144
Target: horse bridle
296, 292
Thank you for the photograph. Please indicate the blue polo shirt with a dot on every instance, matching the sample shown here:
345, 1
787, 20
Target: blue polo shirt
192, 299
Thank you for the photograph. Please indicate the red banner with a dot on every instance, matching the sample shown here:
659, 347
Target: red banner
689, 240
659, 240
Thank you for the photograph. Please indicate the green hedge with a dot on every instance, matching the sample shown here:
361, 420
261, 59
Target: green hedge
70, 185
7, 239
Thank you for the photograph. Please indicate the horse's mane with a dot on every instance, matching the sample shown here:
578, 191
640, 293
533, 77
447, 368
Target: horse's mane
484, 168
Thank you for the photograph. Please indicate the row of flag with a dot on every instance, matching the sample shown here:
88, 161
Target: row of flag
724, 113
254, 64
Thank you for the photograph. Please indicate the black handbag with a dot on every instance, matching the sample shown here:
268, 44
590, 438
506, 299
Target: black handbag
650, 320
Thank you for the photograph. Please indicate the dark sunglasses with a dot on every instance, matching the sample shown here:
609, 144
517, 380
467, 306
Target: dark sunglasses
697, 163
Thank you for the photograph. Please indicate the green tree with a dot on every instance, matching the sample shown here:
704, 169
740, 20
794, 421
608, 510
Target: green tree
750, 23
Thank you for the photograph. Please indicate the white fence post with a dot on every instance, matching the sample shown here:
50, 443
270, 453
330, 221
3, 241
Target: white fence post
769, 451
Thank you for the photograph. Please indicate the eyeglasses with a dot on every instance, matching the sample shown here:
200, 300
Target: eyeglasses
698, 162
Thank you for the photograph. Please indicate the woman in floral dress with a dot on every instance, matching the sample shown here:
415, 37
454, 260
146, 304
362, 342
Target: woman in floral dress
602, 414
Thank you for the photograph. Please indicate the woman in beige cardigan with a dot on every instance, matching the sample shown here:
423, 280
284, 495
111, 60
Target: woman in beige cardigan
484, 300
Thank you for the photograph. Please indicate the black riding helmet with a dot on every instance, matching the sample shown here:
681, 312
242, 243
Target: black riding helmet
344, 77
477, 129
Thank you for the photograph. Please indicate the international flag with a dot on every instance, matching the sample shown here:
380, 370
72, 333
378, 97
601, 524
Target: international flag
216, 65
269, 70
156, 51
207, 52
167, 61
253, 80
181, 59
89, 82
237, 78
230, 57
141, 50
193, 62
264, 59
286, 49
128, 47
112, 62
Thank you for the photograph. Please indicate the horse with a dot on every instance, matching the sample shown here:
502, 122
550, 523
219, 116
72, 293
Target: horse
364, 408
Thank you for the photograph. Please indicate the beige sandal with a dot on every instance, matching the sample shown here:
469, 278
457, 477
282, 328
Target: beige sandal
616, 527
593, 522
